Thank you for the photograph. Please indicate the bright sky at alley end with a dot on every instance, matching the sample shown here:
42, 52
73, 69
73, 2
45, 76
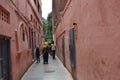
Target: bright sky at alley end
46, 8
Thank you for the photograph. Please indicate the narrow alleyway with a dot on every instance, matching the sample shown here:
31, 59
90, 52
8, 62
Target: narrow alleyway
52, 71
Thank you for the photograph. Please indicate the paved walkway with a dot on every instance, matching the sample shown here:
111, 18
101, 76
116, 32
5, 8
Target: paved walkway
52, 71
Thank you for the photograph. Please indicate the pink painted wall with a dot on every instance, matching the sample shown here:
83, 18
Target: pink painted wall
21, 58
97, 39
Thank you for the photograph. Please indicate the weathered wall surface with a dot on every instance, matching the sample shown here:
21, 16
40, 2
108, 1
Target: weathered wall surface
23, 22
96, 38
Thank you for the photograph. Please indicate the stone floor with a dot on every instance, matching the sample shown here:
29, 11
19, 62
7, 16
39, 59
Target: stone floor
52, 71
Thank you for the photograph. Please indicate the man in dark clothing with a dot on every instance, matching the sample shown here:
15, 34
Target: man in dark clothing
37, 54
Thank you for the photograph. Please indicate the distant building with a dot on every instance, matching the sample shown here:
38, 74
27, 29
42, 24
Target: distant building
87, 35
20, 32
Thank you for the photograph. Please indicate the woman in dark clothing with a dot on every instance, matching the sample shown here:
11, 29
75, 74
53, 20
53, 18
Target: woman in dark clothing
46, 55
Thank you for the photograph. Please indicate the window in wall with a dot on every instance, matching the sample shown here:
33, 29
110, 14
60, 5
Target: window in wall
30, 38
39, 29
23, 35
38, 7
34, 39
36, 23
4, 15
35, 1
31, 17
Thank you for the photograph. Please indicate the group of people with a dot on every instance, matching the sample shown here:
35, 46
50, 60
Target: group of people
46, 49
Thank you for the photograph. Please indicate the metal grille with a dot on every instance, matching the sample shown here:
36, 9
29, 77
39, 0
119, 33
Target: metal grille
4, 15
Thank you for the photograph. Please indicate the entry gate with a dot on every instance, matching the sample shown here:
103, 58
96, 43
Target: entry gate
4, 58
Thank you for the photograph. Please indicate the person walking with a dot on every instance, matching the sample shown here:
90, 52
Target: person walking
49, 48
46, 55
53, 48
37, 52
43, 48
